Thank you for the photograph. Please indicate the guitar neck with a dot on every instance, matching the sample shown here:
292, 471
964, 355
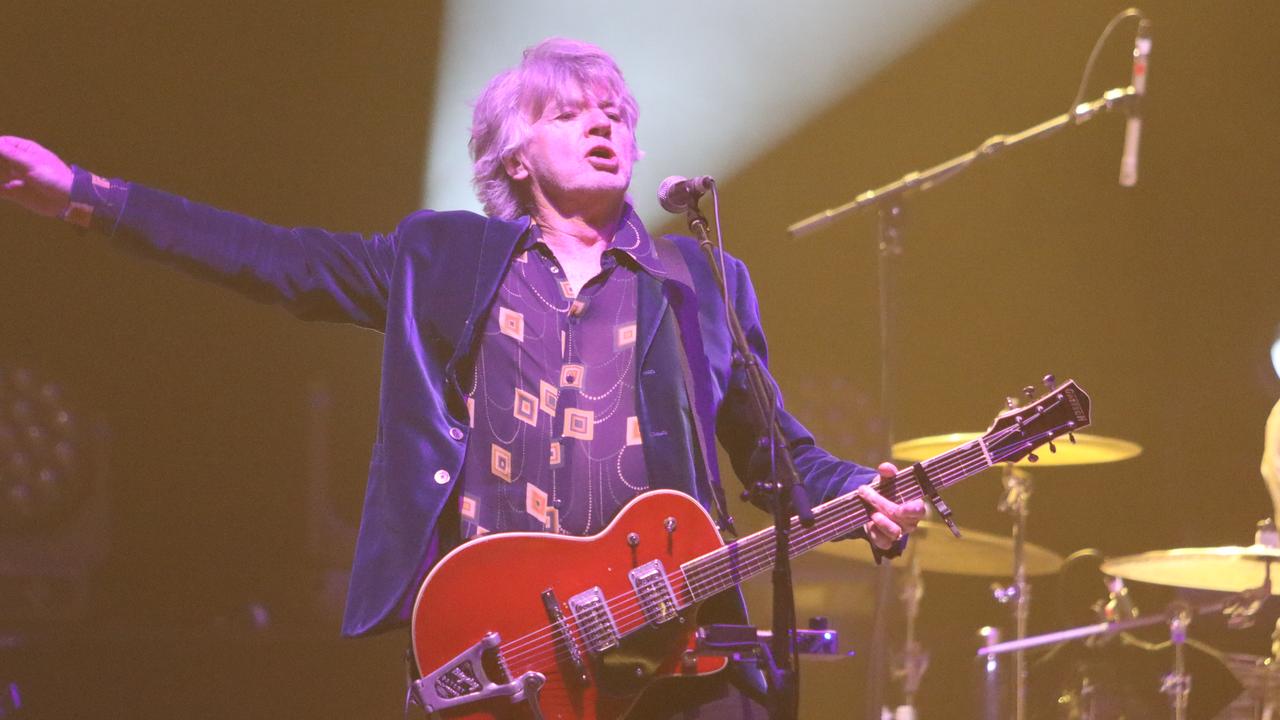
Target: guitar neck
742, 559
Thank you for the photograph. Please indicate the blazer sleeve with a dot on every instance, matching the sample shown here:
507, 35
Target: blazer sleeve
823, 475
313, 273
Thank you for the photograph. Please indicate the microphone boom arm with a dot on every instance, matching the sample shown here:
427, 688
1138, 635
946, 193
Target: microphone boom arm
1113, 99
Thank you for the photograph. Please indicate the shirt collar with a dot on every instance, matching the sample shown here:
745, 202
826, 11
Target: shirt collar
631, 239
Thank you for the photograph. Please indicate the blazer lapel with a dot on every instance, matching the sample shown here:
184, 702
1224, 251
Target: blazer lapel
496, 246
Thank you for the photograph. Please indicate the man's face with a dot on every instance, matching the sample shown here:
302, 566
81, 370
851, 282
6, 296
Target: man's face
579, 153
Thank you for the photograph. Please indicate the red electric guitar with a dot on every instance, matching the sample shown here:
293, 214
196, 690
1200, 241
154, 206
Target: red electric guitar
531, 625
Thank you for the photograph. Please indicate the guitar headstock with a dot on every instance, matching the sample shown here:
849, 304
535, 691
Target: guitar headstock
1018, 431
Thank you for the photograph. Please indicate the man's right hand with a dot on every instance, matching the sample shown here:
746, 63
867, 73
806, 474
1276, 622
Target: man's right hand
33, 177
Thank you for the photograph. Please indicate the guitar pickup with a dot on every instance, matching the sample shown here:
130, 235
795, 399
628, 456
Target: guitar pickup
657, 599
595, 622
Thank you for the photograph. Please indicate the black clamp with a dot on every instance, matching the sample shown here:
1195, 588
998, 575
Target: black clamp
931, 494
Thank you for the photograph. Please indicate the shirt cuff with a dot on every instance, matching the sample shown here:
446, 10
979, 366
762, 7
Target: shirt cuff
894, 550
96, 202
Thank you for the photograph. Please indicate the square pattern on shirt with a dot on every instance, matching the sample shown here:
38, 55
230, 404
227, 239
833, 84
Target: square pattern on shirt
572, 375
549, 396
468, 507
535, 502
579, 423
500, 462
624, 336
526, 407
511, 324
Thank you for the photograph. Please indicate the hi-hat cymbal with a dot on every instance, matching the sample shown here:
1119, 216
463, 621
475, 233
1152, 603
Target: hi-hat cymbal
1225, 569
1087, 450
973, 553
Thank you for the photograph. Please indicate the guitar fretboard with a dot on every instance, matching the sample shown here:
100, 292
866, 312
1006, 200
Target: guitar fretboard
747, 557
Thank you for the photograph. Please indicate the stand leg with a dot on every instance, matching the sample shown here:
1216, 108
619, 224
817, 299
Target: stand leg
914, 661
1177, 684
993, 692
1017, 502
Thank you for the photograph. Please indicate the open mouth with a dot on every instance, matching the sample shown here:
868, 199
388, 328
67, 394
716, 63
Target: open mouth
603, 157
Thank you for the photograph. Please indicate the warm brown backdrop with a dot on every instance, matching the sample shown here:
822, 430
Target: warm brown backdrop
1161, 300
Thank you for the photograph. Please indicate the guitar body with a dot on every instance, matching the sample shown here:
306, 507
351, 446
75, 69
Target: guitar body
495, 584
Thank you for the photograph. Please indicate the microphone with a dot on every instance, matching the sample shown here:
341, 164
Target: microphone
1133, 128
677, 194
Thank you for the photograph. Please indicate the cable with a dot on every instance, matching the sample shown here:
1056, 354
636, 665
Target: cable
1097, 47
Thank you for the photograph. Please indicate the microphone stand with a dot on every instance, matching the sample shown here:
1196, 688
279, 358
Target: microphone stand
782, 488
888, 201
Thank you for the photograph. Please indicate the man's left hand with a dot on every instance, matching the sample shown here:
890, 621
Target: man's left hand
889, 520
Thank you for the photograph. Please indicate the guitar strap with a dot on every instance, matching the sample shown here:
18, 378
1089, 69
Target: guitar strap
678, 271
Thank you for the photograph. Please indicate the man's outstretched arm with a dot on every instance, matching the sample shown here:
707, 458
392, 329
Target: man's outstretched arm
313, 273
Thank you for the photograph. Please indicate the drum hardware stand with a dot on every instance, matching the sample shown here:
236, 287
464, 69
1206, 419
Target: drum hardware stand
1269, 682
992, 690
1017, 502
1177, 684
910, 666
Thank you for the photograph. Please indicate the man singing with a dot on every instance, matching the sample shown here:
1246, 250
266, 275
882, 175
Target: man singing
543, 364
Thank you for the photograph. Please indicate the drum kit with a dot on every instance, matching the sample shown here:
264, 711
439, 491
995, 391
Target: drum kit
1238, 580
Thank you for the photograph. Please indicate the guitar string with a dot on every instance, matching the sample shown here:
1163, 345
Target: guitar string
760, 552
804, 537
757, 553
753, 553
754, 557
750, 545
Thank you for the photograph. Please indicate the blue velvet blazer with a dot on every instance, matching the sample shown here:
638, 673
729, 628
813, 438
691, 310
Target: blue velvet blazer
427, 287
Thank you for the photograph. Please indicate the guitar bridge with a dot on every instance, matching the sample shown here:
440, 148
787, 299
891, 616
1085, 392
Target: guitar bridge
466, 679
570, 659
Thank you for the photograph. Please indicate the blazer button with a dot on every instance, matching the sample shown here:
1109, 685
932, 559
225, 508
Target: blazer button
442, 477
455, 433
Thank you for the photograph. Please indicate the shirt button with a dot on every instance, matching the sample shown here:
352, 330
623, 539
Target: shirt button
442, 477
456, 434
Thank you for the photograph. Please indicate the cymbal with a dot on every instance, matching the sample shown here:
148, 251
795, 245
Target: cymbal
1225, 569
973, 553
1087, 450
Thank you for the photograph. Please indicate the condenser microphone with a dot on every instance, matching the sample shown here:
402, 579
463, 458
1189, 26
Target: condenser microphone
677, 194
1133, 128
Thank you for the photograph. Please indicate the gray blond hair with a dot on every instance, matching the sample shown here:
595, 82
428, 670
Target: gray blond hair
554, 70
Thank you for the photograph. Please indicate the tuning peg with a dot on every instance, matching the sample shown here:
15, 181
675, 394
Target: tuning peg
1032, 457
1029, 391
1052, 448
1010, 402
1050, 382
1073, 437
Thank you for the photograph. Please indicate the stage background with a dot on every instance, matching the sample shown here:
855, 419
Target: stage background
224, 417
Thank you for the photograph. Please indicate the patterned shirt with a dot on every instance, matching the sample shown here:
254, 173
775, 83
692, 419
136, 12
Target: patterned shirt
555, 442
